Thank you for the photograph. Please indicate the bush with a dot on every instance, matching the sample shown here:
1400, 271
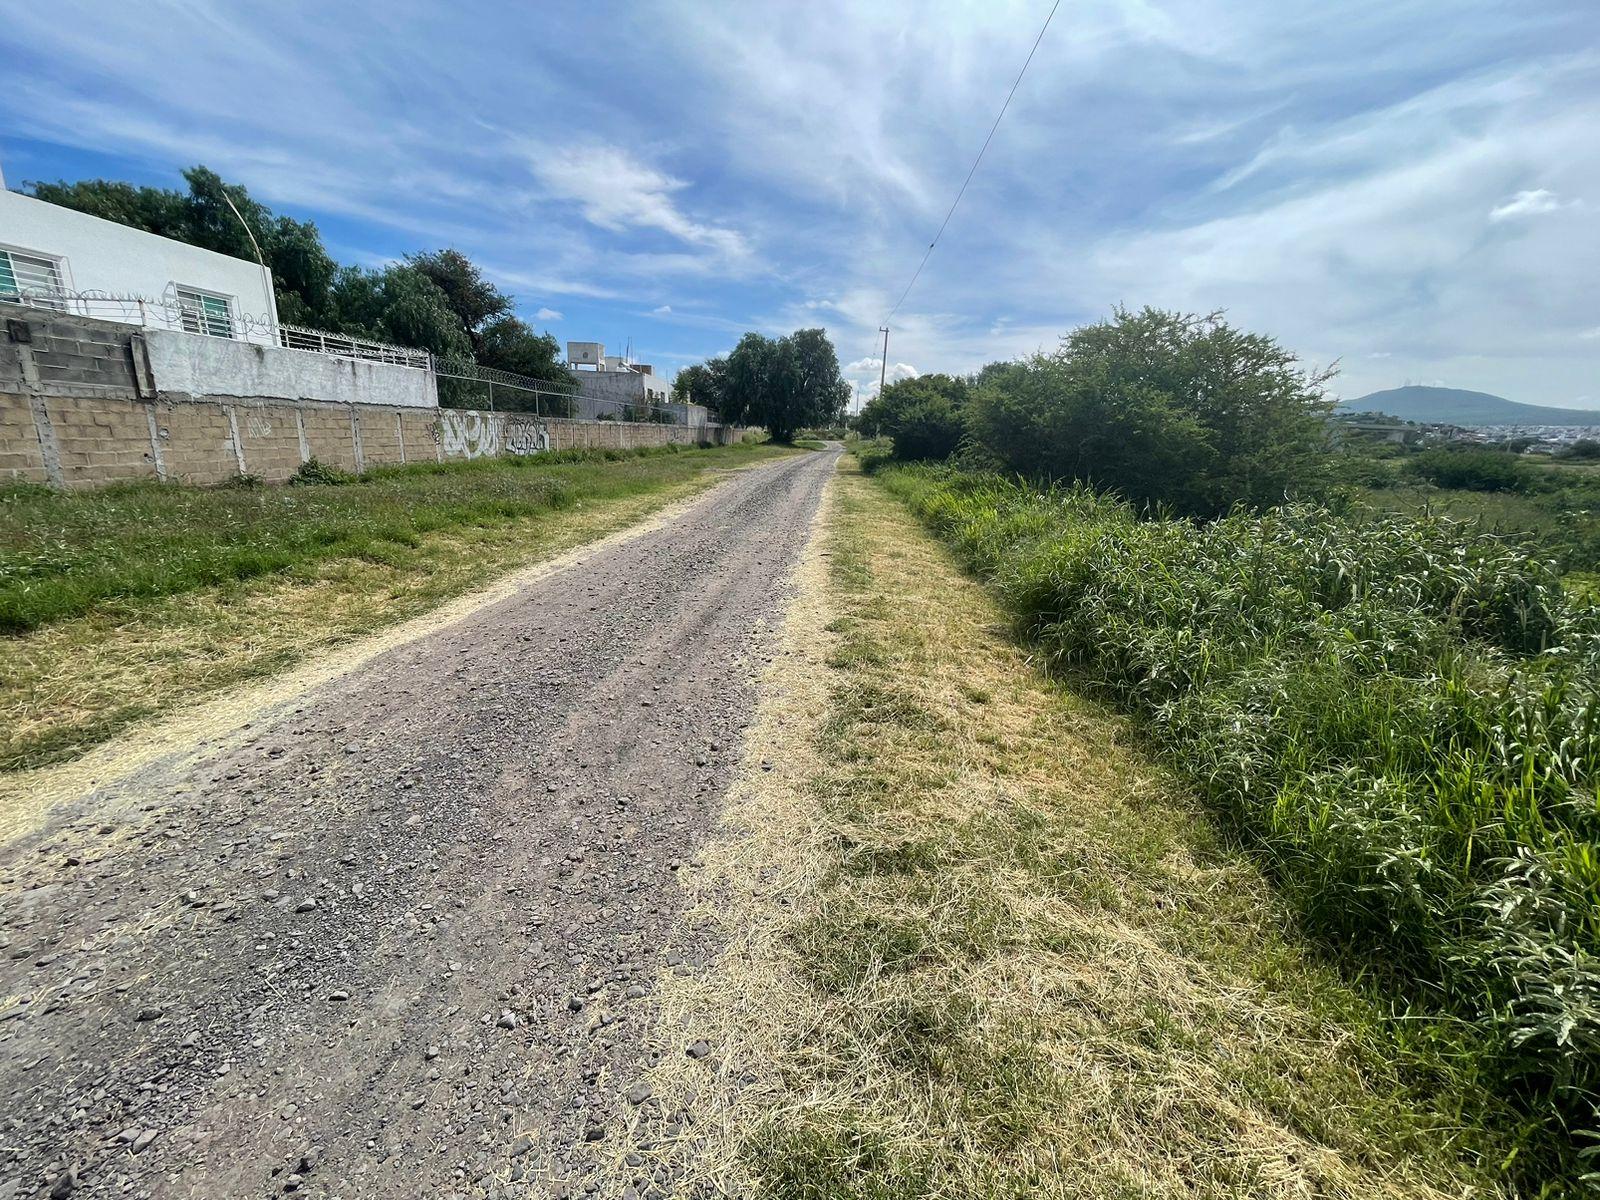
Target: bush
1357, 469
314, 472
924, 417
1162, 409
1402, 716
872, 453
1582, 450
1472, 470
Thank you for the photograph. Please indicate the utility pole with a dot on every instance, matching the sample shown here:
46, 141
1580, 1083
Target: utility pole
883, 367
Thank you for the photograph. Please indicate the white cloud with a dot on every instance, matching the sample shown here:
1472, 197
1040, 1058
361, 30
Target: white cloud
547, 314
617, 192
785, 166
1591, 335
661, 310
1526, 204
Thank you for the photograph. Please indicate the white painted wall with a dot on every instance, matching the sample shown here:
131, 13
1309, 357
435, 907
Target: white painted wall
103, 256
194, 365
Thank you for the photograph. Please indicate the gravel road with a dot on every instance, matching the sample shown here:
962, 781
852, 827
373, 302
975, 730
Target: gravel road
399, 939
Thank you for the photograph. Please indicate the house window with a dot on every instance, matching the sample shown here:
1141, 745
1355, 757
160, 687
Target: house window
31, 278
205, 312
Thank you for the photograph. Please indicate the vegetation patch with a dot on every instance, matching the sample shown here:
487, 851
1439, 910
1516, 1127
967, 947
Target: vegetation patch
998, 954
1400, 716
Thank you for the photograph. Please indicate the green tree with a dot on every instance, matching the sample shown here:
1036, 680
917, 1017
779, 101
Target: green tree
1161, 407
784, 383
302, 270
924, 416
703, 383
475, 300
397, 304
438, 301
510, 344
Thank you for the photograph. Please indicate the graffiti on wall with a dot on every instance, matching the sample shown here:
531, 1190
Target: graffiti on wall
464, 434
467, 434
525, 436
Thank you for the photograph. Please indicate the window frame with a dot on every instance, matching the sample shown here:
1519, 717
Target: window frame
58, 266
203, 320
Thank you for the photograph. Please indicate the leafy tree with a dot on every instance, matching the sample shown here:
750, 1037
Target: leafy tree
475, 300
784, 383
1164, 408
398, 304
1585, 449
302, 270
924, 416
510, 344
703, 383
438, 301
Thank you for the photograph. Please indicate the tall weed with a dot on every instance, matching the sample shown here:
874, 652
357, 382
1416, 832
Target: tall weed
1400, 713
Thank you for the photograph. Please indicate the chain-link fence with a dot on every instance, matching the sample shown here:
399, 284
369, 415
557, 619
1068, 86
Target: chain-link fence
465, 384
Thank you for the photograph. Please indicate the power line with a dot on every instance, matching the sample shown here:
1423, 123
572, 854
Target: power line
929, 252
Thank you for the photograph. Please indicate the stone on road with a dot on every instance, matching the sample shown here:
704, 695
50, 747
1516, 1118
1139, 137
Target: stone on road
399, 940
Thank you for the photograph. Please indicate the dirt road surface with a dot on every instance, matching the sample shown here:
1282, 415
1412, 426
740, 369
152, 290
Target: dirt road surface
399, 938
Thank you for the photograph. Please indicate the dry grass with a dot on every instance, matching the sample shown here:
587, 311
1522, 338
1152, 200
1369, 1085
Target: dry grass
73, 683
973, 945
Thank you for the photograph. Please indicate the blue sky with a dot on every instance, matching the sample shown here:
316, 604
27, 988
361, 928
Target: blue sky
1409, 187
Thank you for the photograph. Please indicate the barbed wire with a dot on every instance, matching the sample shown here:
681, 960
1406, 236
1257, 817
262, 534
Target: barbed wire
168, 311
466, 369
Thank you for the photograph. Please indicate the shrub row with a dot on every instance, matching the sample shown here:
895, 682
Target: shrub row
1398, 713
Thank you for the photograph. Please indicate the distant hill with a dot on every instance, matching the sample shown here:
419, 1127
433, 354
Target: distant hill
1452, 406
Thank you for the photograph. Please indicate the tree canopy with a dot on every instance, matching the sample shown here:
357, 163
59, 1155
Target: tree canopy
1160, 407
437, 300
704, 383
785, 384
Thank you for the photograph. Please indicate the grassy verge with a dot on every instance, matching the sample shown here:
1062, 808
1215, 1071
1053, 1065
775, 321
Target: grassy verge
132, 600
975, 945
1563, 522
1400, 718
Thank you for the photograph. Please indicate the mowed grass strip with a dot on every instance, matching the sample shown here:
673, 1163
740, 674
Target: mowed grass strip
195, 589
980, 947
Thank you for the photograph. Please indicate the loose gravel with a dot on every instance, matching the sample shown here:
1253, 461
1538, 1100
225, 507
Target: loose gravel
402, 940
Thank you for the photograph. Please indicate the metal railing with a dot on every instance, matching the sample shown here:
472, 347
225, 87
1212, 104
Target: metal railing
461, 382
318, 341
169, 312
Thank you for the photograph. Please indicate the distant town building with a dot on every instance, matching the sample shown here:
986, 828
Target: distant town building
613, 387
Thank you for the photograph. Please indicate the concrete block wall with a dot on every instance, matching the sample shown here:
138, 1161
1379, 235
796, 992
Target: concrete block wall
78, 409
21, 456
90, 441
66, 356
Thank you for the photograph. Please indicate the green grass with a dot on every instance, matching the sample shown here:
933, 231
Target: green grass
1562, 521
129, 602
978, 945
1398, 714
64, 554
1556, 510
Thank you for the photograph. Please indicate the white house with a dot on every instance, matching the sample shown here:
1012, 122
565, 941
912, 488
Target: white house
57, 257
